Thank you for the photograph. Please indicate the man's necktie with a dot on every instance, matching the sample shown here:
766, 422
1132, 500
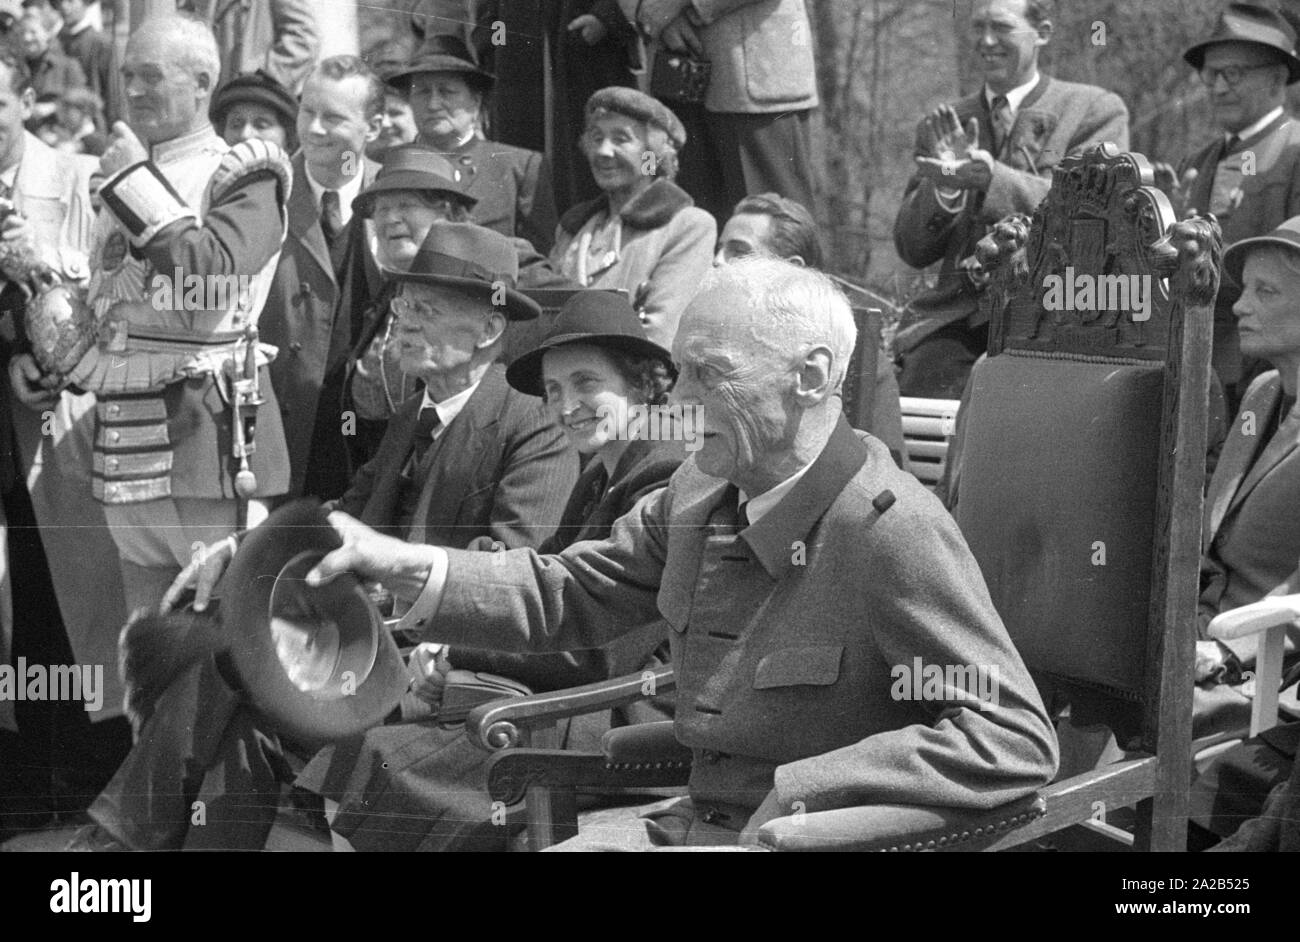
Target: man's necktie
1001, 119
331, 217
425, 425
6, 191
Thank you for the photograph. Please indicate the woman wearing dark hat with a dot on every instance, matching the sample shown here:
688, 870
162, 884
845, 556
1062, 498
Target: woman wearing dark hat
255, 106
644, 235
446, 89
417, 786
1252, 519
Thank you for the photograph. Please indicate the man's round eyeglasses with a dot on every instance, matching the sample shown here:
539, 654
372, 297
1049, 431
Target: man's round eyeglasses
1233, 74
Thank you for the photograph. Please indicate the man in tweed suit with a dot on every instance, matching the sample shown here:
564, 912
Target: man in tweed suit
804, 576
990, 154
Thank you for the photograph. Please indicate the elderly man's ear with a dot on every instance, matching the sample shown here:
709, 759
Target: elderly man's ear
814, 384
494, 325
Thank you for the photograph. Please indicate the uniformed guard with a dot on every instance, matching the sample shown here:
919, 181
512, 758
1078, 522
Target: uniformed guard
181, 261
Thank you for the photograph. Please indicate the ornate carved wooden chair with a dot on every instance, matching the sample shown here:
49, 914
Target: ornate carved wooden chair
1081, 500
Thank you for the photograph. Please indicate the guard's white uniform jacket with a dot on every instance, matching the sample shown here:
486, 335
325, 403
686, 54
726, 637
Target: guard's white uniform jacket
181, 262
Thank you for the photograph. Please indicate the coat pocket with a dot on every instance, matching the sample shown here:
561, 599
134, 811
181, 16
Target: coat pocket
816, 665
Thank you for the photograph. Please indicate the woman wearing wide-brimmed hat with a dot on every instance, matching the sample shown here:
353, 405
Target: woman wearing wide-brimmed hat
644, 234
447, 89
417, 785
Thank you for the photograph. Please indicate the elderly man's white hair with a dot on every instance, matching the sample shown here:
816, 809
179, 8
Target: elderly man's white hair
797, 308
190, 39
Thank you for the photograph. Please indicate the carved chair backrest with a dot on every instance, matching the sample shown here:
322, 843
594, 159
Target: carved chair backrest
1085, 442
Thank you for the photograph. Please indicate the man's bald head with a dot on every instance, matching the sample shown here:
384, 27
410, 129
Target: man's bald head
171, 68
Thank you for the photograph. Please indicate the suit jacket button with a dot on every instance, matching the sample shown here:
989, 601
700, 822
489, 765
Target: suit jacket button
295, 346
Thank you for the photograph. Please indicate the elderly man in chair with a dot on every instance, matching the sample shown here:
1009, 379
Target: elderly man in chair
805, 578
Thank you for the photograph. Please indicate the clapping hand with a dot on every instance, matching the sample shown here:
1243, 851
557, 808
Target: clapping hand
949, 155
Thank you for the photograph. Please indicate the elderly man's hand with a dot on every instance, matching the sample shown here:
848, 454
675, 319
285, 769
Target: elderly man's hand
33, 388
402, 567
202, 574
950, 155
124, 149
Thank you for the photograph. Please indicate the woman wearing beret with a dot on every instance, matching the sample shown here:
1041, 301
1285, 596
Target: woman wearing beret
446, 89
644, 235
255, 106
418, 785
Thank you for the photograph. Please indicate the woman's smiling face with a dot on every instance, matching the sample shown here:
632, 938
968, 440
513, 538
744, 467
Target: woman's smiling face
587, 395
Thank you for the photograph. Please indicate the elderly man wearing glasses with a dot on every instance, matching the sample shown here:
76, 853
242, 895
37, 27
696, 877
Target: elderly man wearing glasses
1248, 175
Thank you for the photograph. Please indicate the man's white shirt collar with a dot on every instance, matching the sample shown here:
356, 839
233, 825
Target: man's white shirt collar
756, 508
448, 409
347, 193
1015, 97
1258, 125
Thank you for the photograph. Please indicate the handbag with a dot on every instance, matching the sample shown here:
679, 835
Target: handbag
680, 77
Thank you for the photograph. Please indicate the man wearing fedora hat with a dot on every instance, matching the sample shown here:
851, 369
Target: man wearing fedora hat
447, 88
1249, 174
467, 458
415, 188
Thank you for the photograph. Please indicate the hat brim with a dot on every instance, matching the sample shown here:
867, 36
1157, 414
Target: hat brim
364, 204
525, 373
1195, 55
401, 78
516, 306
1234, 258
287, 112
326, 714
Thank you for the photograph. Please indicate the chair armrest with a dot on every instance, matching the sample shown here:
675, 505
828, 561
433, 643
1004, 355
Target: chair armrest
500, 724
896, 827
511, 772
631, 747
1269, 612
